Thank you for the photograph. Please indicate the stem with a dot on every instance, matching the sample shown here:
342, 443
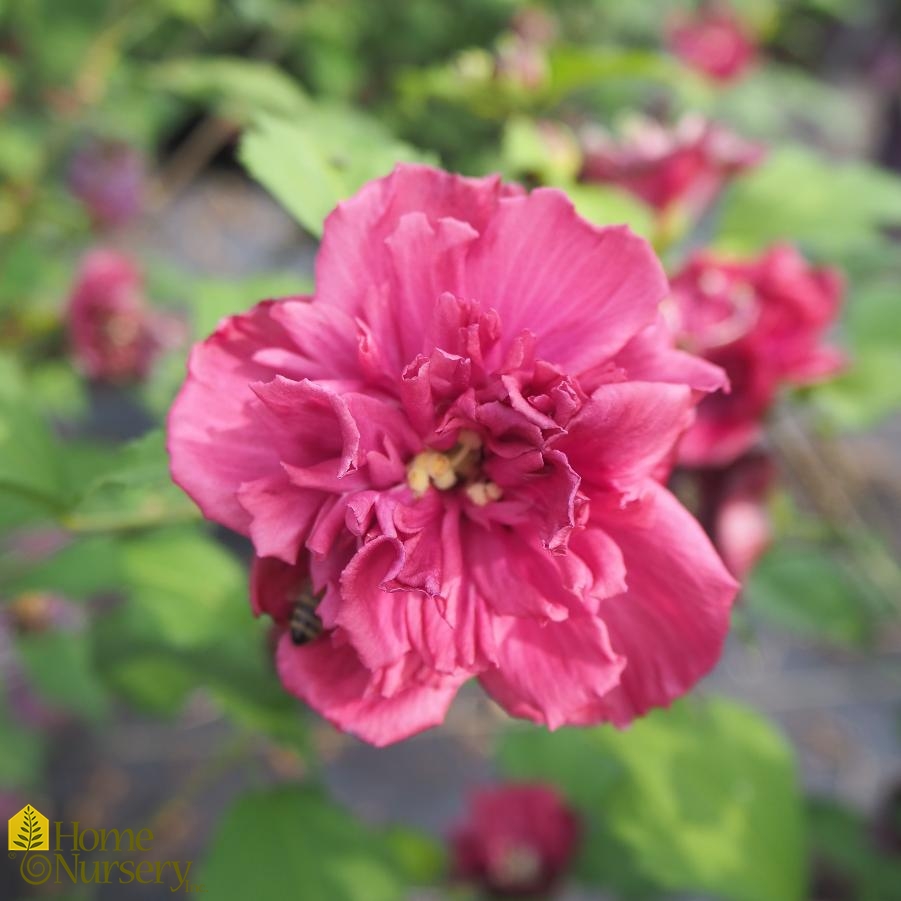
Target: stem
824, 485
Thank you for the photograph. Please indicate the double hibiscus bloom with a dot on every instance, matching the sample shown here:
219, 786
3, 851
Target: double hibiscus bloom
459, 444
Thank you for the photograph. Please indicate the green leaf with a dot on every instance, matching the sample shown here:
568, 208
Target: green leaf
239, 87
58, 390
528, 151
153, 682
60, 667
273, 844
611, 206
185, 589
420, 858
807, 590
834, 209
865, 393
576, 68
81, 569
214, 300
31, 461
695, 798
873, 316
841, 841
234, 667
135, 491
319, 158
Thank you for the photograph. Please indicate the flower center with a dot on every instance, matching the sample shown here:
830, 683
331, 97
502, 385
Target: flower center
459, 465
517, 867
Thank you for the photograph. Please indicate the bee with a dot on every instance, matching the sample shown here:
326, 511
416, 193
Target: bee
305, 625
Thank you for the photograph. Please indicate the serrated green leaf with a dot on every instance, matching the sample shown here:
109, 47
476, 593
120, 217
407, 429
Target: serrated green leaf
695, 798
134, 491
185, 588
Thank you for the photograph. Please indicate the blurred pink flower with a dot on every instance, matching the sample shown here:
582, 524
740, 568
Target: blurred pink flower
458, 442
761, 320
108, 178
732, 507
714, 42
517, 840
111, 331
686, 165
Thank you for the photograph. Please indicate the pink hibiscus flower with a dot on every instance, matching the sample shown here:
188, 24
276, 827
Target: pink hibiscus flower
113, 335
762, 321
517, 840
715, 43
456, 442
686, 165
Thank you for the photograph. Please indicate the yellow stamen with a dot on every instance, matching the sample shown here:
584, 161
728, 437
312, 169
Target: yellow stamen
418, 476
483, 493
441, 471
446, 469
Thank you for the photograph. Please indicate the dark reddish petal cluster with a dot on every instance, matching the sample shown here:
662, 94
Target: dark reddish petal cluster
517, 840
108, 178
761, 320
457, 446
112, 333
733, 508
714, 42
685, 166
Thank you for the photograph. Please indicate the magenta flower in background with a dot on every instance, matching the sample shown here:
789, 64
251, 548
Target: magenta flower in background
459, 442
733, 509
517, 840
686, 165
108, 178
714, 42
111, 331
763, 321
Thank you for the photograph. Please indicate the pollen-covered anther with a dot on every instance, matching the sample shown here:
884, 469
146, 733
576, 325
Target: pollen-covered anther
443, 470
430, 468
483, 493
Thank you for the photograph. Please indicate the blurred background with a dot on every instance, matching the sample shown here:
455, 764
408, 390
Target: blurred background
165, 163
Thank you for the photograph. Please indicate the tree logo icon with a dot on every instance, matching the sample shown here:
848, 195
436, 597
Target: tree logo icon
29, 830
